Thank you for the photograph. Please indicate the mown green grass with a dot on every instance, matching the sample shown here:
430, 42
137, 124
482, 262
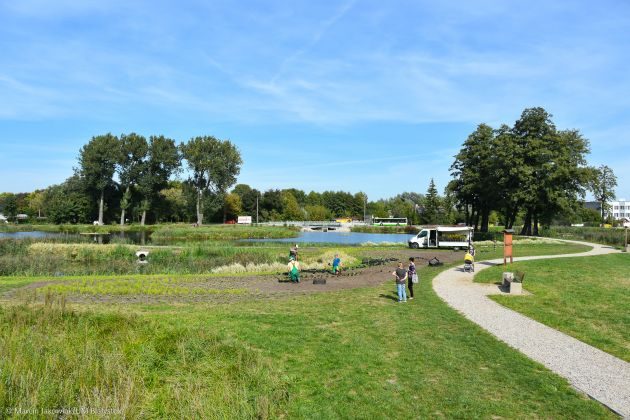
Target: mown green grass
358, 354
138, 286
54, 358
587, 298
532, 247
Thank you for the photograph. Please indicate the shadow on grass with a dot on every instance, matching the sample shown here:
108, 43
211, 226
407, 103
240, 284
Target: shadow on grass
393, 297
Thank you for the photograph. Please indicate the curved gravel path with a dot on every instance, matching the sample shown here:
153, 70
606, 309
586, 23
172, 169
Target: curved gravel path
598, 374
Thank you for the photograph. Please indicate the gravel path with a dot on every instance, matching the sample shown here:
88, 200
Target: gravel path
598, 374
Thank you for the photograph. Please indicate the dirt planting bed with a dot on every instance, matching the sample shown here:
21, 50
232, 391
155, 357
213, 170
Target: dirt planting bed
376, 269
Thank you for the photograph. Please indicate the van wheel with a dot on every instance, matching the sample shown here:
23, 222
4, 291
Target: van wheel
415, 245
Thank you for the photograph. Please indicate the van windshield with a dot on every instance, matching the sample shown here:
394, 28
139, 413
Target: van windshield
422, 234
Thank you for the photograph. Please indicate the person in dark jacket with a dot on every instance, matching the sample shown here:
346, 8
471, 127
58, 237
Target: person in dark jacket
410, 273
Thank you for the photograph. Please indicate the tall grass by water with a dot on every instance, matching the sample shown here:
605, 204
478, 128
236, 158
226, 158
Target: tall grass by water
221, 233
26, 257
607, 236
55, 359
31, 258
74, 229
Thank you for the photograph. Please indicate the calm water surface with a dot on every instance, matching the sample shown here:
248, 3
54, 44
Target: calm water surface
142, 238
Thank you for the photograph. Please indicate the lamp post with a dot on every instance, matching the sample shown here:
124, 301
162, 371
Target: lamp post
364, 208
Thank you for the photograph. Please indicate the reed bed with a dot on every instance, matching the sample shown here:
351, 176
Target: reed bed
221, 233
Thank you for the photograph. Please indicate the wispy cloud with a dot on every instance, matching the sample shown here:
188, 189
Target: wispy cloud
317, 36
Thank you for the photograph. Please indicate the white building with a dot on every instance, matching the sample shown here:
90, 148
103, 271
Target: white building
619, 209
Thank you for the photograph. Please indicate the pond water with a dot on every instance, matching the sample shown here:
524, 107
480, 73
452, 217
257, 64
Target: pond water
144, 238
139, 238
346, 238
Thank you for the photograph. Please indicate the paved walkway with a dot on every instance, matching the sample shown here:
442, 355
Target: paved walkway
592, 371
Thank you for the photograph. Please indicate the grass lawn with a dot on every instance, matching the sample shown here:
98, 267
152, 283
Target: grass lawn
349, 354
358, 354
587, 298
531, 248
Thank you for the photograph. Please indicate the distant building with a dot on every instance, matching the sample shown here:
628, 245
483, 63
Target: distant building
618, 210
3, 218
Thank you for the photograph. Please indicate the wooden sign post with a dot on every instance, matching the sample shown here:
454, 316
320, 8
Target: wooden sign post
507, 245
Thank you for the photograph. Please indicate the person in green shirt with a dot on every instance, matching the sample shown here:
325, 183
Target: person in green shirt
294, 270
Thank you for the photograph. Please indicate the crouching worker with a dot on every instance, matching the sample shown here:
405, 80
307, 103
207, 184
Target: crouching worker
294, 270
336, 265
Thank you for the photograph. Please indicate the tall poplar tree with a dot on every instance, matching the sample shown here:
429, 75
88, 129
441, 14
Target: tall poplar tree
97, 161
133, 152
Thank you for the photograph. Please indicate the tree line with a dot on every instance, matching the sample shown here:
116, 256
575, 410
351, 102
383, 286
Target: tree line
119, 175
131, 178
530, 172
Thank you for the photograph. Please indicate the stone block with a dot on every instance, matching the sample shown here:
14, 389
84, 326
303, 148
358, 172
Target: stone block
516, 288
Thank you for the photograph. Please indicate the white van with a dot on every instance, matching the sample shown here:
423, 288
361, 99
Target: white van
442, 237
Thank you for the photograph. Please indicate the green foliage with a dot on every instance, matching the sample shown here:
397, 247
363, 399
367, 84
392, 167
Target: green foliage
291, 207
10, 206
233, 206
317, 212
531, 167
214, 166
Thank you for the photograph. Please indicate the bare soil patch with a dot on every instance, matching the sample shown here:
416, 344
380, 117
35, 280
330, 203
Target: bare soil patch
378, 267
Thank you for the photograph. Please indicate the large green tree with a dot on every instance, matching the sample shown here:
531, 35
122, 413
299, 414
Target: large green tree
531, 168
97, 161
214, 165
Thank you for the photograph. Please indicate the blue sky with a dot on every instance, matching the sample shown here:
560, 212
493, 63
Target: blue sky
353, 95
